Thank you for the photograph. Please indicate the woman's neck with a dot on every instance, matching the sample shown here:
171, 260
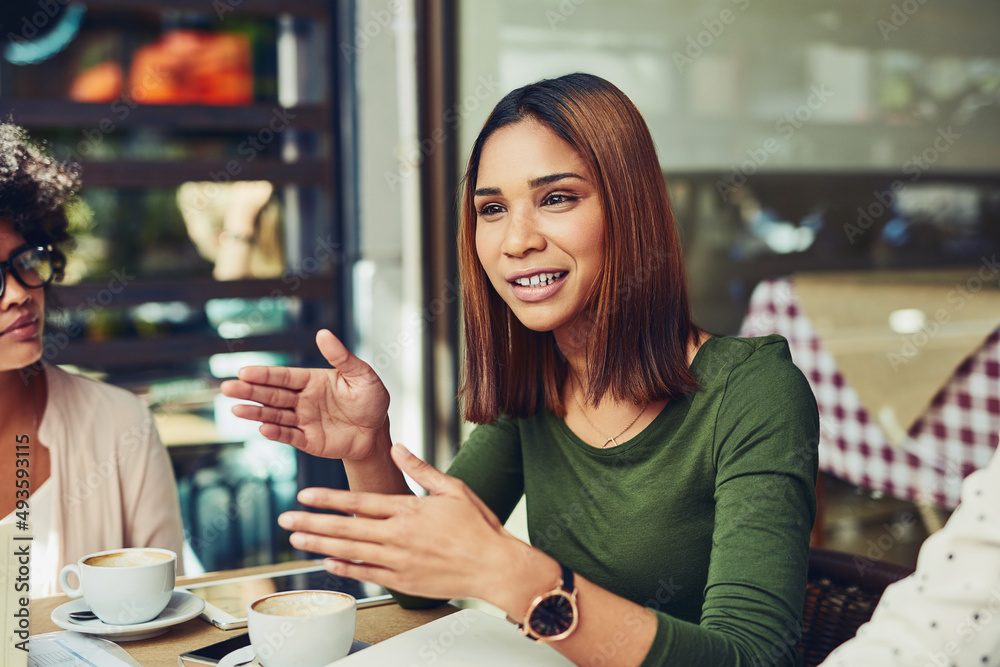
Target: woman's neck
19, 394
574, 350
23, 395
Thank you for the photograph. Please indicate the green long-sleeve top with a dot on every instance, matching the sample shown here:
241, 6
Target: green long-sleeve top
704, 517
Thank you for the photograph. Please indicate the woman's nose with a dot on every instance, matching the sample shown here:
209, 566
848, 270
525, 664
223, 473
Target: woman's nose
522, 235
14, 293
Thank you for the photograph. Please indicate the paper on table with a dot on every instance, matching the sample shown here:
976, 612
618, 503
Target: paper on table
467, 637
70, 649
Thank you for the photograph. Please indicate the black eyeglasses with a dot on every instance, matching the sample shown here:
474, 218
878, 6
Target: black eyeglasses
30, 265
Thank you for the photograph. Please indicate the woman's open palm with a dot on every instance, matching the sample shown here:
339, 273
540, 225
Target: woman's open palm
332, 412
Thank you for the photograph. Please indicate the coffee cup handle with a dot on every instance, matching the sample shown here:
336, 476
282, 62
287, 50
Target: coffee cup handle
64, 580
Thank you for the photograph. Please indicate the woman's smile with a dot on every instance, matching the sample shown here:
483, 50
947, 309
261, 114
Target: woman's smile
536, 285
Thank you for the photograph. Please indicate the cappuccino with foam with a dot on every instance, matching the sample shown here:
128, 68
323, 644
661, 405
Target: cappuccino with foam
129, 558
303, 603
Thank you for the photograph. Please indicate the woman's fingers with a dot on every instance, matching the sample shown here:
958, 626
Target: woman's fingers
275, 376
341, 547
352, 550
286, 434
348, 538
358, 503
361, 572
423, 473
267, 415
235, 388
335, 525
437, 482
357, 560
338, 356
264, 394
278, 425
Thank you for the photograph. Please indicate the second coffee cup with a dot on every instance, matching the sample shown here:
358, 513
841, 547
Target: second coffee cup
308, 628
124, 586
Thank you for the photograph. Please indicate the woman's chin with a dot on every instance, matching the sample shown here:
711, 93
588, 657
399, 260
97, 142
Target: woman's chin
538, 327
538, 322
16, 360
545, 318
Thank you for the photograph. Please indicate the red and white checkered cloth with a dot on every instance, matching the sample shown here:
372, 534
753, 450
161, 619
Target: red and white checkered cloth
957, 435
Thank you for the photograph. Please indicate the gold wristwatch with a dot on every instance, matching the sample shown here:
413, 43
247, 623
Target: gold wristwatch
553, 615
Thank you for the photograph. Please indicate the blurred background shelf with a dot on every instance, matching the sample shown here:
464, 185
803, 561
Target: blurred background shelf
147, 174
318, 9
125, 114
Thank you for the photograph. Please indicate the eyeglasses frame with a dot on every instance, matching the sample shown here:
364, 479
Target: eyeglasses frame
9, 264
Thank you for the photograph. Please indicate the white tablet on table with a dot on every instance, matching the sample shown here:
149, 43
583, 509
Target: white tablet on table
226, 600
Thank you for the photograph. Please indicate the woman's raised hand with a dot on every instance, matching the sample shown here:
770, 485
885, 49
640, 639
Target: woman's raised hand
338, 412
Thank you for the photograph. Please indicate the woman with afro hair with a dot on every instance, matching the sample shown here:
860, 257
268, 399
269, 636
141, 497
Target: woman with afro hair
99, 476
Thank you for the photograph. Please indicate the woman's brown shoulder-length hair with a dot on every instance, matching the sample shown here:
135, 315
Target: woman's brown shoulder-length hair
639, 319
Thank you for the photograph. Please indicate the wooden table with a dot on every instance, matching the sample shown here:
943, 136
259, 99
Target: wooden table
375, 624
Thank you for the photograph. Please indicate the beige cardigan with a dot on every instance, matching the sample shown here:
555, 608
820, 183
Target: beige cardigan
112, 478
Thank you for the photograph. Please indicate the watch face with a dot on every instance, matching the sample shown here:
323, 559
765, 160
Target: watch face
552, 616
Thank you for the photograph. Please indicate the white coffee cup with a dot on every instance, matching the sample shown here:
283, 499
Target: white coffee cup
309, 628
124, 586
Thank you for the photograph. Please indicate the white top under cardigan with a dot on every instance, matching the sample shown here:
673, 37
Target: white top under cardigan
946, 613
112, 481
44, 541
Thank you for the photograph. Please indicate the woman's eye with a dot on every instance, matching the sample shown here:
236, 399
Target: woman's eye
490, 209
557, 198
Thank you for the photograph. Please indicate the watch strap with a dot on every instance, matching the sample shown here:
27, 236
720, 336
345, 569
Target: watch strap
567, 578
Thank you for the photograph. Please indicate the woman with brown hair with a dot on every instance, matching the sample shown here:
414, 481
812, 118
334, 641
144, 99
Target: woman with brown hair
669, 475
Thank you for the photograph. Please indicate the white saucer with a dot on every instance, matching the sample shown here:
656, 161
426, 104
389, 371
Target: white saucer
241, 655
183, 606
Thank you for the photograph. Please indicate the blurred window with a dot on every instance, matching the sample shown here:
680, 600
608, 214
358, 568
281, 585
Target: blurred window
794, 136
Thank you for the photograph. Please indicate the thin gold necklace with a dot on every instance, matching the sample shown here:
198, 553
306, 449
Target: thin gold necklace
607, 439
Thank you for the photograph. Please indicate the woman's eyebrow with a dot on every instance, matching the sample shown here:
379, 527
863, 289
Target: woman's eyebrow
552, 178
533, 183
